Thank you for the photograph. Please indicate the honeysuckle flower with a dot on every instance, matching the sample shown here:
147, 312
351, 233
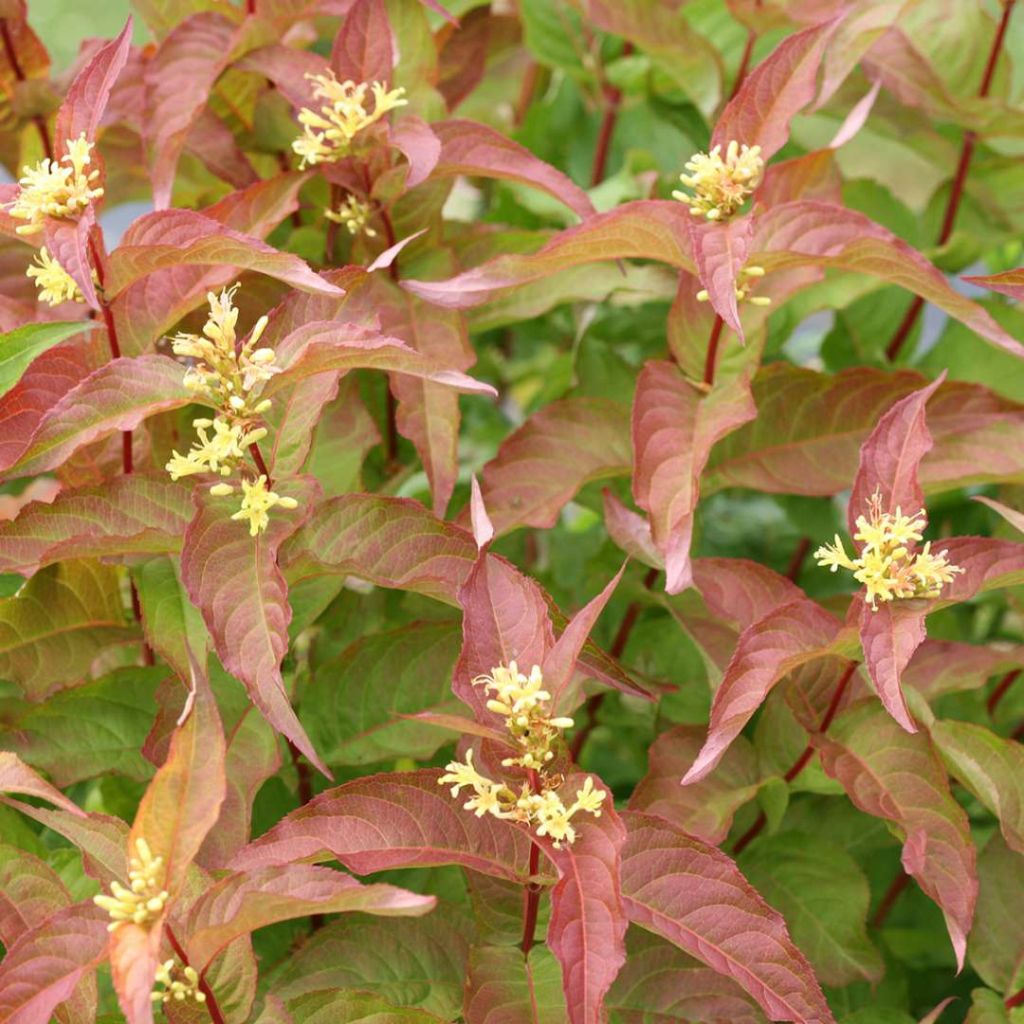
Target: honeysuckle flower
353, 214
187, 987
889, 565
328, 133
56, 188
524, 704
257, 502
721, 186
55, 284
144, 899
211, 453
742, 288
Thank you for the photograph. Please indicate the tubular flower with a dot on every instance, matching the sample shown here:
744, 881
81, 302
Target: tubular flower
354, 214
721, 186
143, 901
742, 288
889, 565
328, 134
257, 501
524, 704
186, 988
53, 188
228, 373
55, 284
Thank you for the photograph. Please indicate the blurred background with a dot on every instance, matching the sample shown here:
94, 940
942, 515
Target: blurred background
63, 24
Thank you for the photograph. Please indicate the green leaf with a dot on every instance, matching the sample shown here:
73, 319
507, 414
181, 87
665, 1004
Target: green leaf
351, 708
996, 947
91, 730
53, 628
354, 1008
19, 347
503, 985
824, 896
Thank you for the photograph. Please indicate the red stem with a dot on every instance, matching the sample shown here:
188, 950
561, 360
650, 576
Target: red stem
526, 91
892, 894
257, 457
612, 101
19, 74
801, 762
796, 563
531, 892
1000, 691
1015, 1000
712, 356
748, 53
959, 181
211, 1000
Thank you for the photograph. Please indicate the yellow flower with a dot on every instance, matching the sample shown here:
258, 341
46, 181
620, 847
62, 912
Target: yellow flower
328, 134
52, 188
179, 990
55, 284
888, 565
720, 186
354, 214
257, 502
742, 289
143, 901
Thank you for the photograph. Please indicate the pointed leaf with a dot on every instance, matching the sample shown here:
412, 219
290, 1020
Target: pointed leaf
178, 81
243, 902
173, 238
68, 242
891, 456
541, 466
86, 100
777, 89
477, 150
646, 229
889, 637
896, 775
132, 514
390, 821
42, 968
810, 427
233, 579
57, 624
808, 233
134, 959
1011, 515
1009, 282
694, 896
19, 347
767, 652
705, 809
116, 397
991, 767
720, 251
182, 802
363, 49
560, 661
503, 986
674, 430
17, 777
588, 921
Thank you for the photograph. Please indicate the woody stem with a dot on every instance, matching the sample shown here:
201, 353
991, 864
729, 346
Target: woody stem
531, 892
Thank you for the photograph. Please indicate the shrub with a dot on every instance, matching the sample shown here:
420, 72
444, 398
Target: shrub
417, 524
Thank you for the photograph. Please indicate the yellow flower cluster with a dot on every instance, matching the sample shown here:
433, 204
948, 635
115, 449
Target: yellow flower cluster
742, 289
721, 186
328, 135
225, 373
524, 704
889, 565
143, 901
52, 188
55, 284
188, 988
354, 214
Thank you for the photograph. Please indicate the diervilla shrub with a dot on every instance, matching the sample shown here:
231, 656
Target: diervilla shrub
415, 524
